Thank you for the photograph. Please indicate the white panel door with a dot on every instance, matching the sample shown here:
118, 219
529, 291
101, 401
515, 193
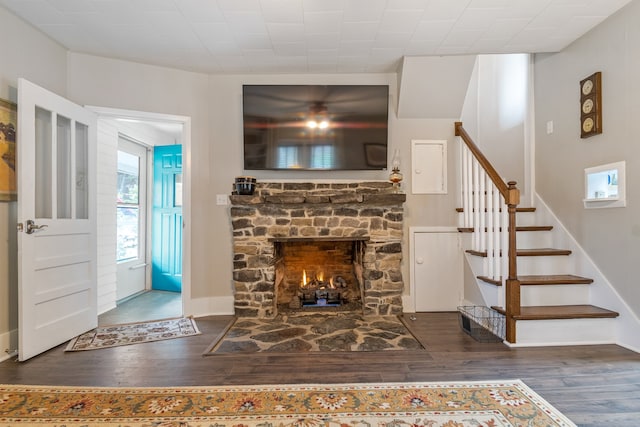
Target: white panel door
57, 220
438, 271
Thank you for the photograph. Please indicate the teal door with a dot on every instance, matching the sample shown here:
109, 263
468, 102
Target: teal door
166, 228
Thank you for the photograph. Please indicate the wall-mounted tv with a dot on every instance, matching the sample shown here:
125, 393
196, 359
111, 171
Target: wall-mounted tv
315, 127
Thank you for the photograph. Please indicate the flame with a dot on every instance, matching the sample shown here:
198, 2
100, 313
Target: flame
320, 277
331, 285
304, 279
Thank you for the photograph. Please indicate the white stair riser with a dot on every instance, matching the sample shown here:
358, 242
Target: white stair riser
564, 332
533, 239
528, 265
554, 295
491, 294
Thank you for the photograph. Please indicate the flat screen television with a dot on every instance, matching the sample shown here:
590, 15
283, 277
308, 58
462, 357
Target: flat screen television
315, 127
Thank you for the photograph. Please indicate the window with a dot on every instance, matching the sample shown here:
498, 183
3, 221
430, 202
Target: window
322, 157
605, 186
288, 157
128, 206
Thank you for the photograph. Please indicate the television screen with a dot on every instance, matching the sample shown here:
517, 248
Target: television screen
315, 127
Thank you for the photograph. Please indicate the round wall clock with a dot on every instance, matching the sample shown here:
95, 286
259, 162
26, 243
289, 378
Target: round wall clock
587, 125
591, 105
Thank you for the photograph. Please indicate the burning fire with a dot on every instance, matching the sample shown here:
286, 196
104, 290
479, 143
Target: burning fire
317, 281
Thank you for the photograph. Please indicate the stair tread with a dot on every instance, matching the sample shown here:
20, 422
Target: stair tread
554, 279
518, 209
548, 312
544, 279
518, 228
528, 252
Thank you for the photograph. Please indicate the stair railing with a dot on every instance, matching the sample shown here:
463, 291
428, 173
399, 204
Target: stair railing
489, 209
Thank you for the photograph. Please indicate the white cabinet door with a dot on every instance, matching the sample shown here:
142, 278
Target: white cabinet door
429, 167
438, 270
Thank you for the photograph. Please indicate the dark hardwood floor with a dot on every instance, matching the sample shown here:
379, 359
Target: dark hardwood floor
592, 385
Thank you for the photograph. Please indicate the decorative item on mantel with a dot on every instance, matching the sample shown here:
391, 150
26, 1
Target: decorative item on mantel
244, 185
395, 177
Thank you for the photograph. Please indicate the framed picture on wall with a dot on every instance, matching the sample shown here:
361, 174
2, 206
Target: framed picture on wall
375, 154
8, 124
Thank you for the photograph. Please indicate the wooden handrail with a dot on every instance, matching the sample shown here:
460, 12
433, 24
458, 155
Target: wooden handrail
511, 196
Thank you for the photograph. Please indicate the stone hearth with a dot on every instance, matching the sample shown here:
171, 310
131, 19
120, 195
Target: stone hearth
366, 211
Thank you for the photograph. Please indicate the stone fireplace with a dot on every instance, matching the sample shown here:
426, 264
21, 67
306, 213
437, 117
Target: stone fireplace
344, 237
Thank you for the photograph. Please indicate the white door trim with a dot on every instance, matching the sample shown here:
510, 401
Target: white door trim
116, 113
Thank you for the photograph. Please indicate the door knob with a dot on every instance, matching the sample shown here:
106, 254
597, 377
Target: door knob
32, 227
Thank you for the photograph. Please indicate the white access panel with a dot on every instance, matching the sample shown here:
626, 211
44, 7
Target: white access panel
438, 277
429, 166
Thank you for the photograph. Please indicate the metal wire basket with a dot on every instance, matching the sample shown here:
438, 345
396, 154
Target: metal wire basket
484, 324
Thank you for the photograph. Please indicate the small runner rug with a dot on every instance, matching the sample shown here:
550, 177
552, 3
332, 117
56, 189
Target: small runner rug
495, 404
134, 333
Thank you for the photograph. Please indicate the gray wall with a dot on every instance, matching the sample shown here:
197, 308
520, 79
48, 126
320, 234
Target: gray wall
611, 237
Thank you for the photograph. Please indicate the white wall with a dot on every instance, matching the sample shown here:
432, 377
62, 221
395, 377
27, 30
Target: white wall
42, 61
495, 110
611, 237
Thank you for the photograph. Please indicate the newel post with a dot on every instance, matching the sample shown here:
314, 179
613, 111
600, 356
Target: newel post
512, 303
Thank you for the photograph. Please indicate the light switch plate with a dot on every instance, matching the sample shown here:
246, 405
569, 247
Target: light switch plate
222, 199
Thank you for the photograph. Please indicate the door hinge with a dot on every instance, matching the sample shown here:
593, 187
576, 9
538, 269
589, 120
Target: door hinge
20, 227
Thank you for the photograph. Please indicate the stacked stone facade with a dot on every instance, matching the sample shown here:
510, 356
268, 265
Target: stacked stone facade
324, 211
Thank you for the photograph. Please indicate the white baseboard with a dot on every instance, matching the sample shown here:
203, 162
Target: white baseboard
211, 306
8, 345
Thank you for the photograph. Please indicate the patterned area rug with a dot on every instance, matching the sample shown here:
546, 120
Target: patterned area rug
495, 404
315, 332
134, 333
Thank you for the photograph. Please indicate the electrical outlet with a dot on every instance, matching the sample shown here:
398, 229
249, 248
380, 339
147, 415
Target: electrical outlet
549, 127
222, 199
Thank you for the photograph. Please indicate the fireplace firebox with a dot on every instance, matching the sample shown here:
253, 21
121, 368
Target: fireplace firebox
319, 273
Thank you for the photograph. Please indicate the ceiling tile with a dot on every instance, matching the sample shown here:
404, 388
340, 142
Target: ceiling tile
364, 10
285, 32
359, 30
200, 10
322, 22
397, 21
282, 11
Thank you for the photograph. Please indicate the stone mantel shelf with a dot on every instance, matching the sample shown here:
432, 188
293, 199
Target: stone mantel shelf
317, 238
389, 199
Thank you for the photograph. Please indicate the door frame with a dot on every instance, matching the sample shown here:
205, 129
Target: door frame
185, 121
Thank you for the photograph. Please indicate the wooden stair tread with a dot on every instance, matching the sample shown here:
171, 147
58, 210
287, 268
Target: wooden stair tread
549, 279
518, 209
518, 228
554, 279
528, 252
550, 312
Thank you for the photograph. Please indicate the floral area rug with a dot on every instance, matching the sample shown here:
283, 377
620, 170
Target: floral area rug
134, 333
315, 332
487, 404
